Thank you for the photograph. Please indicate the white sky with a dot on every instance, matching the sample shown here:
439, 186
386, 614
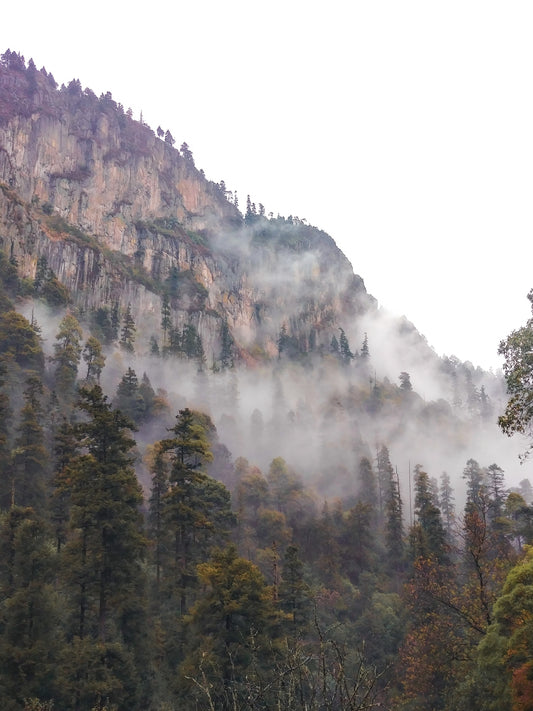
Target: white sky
402, 128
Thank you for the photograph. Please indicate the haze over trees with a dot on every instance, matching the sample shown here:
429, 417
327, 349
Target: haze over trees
203, 512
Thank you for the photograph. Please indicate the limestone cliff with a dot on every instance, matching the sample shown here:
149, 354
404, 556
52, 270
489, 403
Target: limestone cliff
118, 213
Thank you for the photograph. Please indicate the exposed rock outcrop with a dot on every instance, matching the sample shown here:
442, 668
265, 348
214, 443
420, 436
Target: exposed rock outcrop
118, 213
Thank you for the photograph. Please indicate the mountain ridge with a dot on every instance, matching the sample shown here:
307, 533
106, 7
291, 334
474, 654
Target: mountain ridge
120, 224
83, 183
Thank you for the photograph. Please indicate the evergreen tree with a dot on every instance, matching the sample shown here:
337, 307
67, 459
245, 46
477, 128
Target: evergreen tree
128, 398
365, 352
30, 456
472, 394
196, 507
394, 524
127, 334
174, 342
282, 483
495, 479
102, 326
102, 560
327, 545
186, 153
358, 542
156, 524
431, 541
166, 320
475, 485
231, 633
405, 382
106, 544
67, 353
115, 320
172, 282
41, 274
446, 498
485, 405
65, 450
346, 354
148, 396
367, 479
391, 502
287, 345
191, 345
154, 346
334, 346
30, 629
226, 346
95, 359
385, 473
20, 342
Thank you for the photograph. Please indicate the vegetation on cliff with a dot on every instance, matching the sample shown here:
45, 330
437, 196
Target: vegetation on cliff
206, 436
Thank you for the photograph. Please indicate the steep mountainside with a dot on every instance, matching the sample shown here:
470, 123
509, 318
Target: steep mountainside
106, 217
117, 211
208, 497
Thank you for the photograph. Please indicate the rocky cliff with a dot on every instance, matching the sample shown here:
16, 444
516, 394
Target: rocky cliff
120, 215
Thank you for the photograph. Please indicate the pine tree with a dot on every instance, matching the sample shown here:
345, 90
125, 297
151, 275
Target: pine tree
334, 346
197, 508
394, 524
166, 320
30, 456
106, 546
95, 359
496, 490
67, 353
30, 620
127, 334
475, 485
101, 325
346, 354
128, 398
231, 633
358, 542
186, 153
367, 483
365, 353
148, 396
405, 382
446, 498
384, 474
156, 525
66, 449
41, 274
226, 346
485, 405
391, 503
20, 342
431, 541
154, 347
191, 345
115, 320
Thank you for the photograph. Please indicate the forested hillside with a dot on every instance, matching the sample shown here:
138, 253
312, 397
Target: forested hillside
227, 479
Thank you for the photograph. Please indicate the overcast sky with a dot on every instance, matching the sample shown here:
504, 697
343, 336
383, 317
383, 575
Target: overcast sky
403, 129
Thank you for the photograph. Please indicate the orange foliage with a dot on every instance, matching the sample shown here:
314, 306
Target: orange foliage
522, 687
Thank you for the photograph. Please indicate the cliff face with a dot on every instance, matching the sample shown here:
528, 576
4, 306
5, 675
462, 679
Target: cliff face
118, 213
